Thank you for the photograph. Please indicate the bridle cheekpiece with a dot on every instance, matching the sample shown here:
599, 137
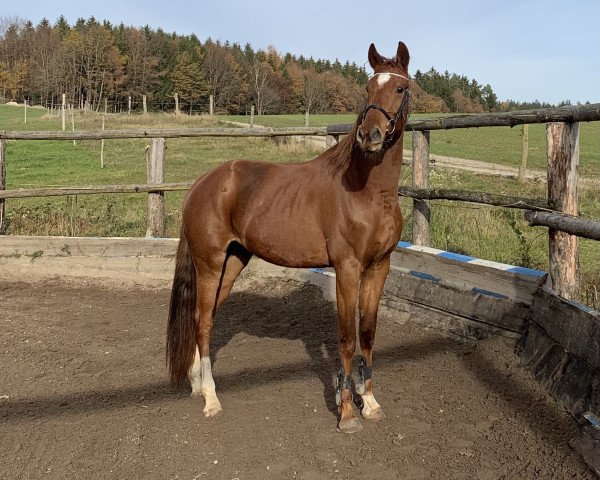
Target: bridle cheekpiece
392, 121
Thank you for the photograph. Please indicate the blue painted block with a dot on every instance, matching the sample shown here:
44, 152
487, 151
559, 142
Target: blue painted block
456, 256
425, 276
527, 271
488, 293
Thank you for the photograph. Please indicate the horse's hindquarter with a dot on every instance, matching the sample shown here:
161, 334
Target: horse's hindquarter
278, 211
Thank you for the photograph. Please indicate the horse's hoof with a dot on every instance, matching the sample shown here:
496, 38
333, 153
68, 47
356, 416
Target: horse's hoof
374, 414
212, 411
352, 425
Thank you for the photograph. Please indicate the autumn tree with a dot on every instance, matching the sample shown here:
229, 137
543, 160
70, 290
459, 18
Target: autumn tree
94, 66
142, 72
188, 79
226, 80
263, 92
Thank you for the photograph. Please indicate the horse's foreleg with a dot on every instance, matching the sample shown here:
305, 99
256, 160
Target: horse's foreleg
347, 280
371, 287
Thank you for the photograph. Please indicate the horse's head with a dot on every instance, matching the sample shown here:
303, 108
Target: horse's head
387, 103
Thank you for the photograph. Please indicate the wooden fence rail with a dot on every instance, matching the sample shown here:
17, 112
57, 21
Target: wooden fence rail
564, 223
563, 160
582, 113
164, 133
472, 197
94, 190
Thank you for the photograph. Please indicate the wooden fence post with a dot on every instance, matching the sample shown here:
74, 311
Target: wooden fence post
177, 112
252, 116
129, 105
421, 211
102, 143
63, 111
156, 200
563, 164
2, 183
144, 104
72, 108
211, 105
524, 152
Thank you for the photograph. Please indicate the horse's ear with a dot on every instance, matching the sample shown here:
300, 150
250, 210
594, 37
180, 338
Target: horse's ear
374, 58
402, 56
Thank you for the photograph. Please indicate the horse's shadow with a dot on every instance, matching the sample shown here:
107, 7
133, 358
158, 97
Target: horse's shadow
301, 315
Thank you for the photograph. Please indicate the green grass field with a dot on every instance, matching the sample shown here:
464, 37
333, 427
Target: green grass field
492, 233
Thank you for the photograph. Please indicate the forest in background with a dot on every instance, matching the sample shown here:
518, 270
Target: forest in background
97, 63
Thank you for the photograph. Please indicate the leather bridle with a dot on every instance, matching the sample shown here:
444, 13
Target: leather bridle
392, 121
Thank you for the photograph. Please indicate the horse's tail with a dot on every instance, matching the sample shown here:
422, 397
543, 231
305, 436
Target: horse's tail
181, 329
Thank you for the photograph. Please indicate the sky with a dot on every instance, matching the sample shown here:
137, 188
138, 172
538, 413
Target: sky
526, 50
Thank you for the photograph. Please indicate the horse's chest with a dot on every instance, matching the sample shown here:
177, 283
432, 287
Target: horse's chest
385, 229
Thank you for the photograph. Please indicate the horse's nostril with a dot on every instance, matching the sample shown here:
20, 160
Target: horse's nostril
375, 135
360, 136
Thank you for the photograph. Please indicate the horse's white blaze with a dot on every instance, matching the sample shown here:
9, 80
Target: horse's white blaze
382, 78
370, 405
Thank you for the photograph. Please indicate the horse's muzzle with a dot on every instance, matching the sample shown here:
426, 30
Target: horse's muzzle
371, 141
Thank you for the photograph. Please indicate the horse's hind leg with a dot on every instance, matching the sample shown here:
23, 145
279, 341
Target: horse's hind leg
371, 287
213, 287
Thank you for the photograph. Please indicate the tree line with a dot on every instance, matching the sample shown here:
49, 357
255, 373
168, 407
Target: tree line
97, 63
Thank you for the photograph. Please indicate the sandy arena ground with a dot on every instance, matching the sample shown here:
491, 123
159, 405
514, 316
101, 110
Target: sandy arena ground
84, 394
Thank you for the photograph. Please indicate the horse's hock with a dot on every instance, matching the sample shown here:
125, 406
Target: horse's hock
464, 298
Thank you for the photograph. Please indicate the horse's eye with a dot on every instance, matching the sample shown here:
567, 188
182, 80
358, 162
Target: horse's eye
400, 90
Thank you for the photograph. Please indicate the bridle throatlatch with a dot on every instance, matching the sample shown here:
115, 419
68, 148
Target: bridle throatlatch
392, 121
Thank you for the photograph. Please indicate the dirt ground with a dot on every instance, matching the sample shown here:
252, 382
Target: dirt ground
84, 394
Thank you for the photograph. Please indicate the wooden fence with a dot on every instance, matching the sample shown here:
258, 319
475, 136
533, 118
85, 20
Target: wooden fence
558, 211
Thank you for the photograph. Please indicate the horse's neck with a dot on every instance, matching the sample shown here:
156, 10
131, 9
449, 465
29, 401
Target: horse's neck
381, 177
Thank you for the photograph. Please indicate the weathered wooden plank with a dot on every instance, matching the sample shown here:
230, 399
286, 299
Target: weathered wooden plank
499, 314
460, 328
420, 180
165, 133
466, 276
566, 376
580, 113
93, 190
16, 246
587, 444
475, 197
563, 164
574, 326
564, 223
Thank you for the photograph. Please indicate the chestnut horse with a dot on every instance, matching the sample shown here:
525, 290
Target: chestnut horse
340, 210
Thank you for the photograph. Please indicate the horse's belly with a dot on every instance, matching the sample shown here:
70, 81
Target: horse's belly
285, 242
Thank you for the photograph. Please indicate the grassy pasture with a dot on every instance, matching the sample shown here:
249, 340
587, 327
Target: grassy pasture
492, 233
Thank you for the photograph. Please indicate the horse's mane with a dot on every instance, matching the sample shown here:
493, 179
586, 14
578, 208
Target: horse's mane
341, 155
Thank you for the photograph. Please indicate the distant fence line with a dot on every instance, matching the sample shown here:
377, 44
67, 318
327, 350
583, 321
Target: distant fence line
563, 161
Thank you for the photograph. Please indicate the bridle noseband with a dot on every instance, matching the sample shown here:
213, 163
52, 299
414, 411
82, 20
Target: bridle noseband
392, 121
